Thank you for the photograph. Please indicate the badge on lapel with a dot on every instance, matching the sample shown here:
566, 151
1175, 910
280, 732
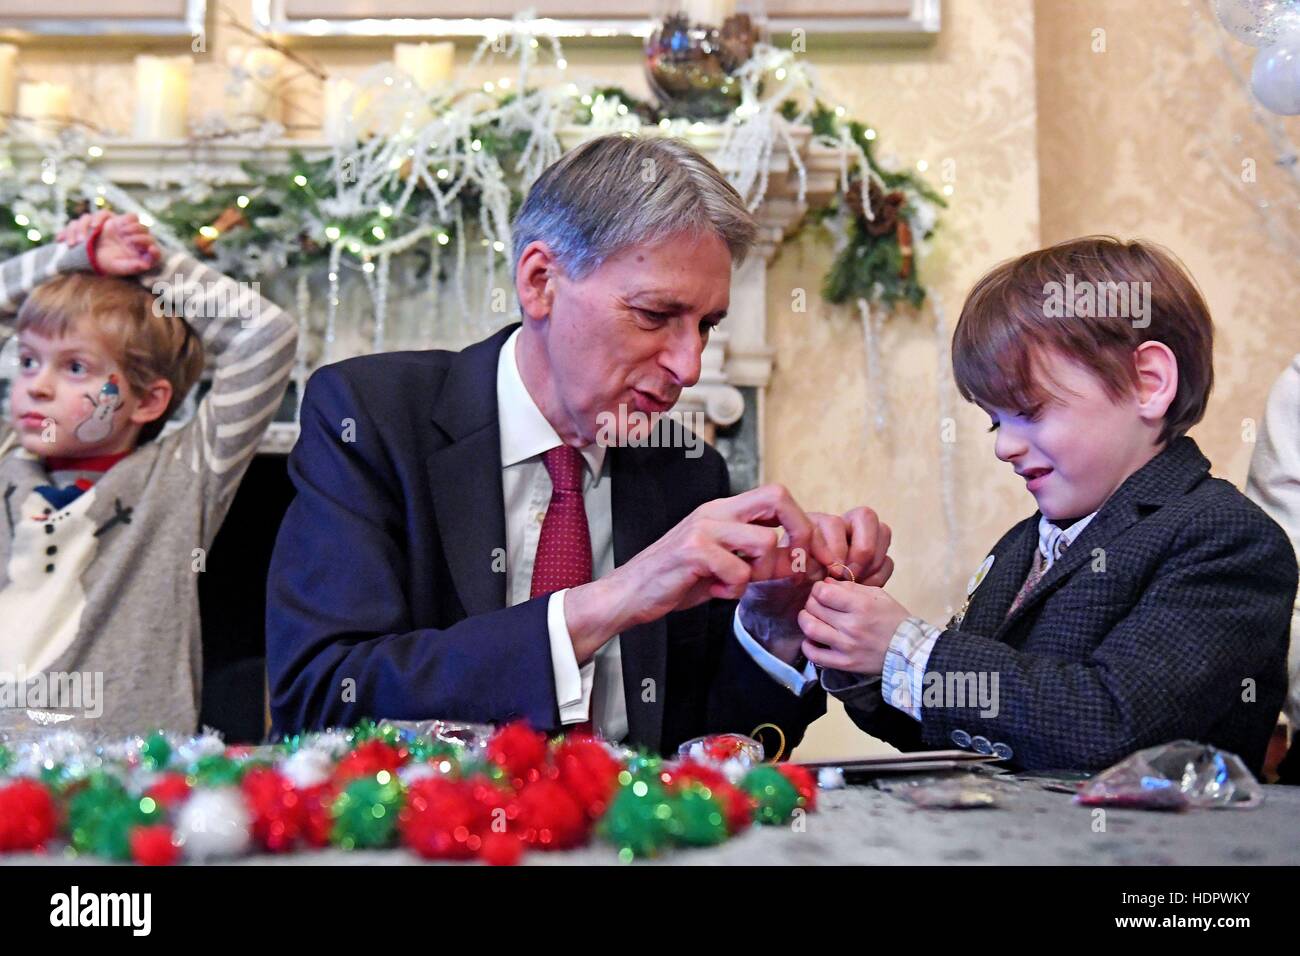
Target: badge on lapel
975, 581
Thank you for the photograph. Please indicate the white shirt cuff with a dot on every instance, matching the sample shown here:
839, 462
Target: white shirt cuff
773, 666
572, 683
903, 674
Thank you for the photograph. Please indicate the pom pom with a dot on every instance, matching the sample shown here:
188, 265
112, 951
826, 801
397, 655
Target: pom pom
307, 768
217, 770
803, 781
444, 820
775, 796
28, 816
214, 824
639, 820
697, 817
519, 750
155, 752
548, 817
365, 813
502, 849
368, 760
169, 790
737, 806
589, 772
154, 845
101, 815
276, 808
318, 822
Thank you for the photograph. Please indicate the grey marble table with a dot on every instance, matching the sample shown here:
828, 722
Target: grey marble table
869, 825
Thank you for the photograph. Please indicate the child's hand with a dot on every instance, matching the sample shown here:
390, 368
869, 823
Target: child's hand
848, 626
124, 246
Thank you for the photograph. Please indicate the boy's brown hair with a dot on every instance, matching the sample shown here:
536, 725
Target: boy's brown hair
121, 314
1007, 324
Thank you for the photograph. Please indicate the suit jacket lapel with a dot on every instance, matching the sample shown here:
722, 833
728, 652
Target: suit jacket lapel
465, 476
1011, 560
639, 520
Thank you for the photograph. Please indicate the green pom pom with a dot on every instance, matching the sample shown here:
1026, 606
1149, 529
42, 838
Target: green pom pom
639, 820
6, 758
423, 749
156, 752
100, 818
217, 770
365, 814
776, 796
697, 818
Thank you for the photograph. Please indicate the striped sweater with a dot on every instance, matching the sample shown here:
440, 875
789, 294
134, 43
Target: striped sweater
99, 615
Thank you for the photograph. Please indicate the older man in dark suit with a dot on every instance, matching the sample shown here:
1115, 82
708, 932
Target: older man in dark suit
467, 542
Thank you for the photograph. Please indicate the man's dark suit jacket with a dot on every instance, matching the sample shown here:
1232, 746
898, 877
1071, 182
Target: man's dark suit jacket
387, 591
1167, 618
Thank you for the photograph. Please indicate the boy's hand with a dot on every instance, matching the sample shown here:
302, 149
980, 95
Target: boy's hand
858, 540
849, 626
124, 246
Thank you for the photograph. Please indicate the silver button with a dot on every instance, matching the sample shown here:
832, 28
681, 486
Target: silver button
961, 739
1002, 751
981, 745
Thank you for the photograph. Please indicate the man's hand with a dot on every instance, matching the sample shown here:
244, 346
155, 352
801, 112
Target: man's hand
124, 247
715, 552
849, 626
769, 610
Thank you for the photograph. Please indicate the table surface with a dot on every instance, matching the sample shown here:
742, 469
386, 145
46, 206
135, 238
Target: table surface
876, 825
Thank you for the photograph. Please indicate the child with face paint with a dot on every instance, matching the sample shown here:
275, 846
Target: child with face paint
1144, 601
106, 521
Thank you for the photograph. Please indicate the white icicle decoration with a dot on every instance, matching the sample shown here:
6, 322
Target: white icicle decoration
871, 329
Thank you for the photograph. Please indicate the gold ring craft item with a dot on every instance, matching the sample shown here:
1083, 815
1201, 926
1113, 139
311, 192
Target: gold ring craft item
847, 570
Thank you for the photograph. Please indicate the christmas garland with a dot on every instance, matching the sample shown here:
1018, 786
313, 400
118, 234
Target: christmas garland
466, 170
441, 790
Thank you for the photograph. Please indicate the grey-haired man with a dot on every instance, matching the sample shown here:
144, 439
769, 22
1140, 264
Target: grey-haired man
475, 552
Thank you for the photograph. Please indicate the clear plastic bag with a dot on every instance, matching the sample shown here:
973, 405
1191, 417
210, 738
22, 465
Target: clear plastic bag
1175, 776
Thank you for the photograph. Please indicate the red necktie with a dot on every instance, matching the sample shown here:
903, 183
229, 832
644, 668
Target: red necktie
564, 546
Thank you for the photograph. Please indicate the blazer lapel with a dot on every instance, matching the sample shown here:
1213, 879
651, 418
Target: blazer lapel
990, 600
465, 476
639, 520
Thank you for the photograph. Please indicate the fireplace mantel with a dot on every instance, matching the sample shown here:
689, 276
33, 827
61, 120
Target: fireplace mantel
737, 356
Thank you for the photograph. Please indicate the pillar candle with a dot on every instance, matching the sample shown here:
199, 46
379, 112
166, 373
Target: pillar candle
45, 106
258, 95
8, 79
162, 96
428, 64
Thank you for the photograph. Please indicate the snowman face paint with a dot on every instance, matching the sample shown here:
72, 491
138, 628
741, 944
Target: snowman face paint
70, 397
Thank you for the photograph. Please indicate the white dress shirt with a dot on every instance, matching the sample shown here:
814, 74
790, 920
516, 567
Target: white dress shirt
594, 690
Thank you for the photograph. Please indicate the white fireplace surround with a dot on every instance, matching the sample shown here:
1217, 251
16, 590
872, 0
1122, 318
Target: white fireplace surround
737, 355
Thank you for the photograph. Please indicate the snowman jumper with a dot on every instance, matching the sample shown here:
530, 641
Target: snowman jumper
100, 557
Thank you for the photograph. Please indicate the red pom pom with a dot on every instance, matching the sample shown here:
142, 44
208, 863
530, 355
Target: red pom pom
803, 781
502, 849
367, 760
737, 805
589, 772
519, 750
317, 822
548, 818
277, 808
153, 845
443, 819
169, 790
28, 816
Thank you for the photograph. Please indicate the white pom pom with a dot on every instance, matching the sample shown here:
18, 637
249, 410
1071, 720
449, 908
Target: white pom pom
206, 744
214, 824
830, 778
307, 768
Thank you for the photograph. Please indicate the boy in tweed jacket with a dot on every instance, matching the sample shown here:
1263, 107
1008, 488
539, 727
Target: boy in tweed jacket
1144, 601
